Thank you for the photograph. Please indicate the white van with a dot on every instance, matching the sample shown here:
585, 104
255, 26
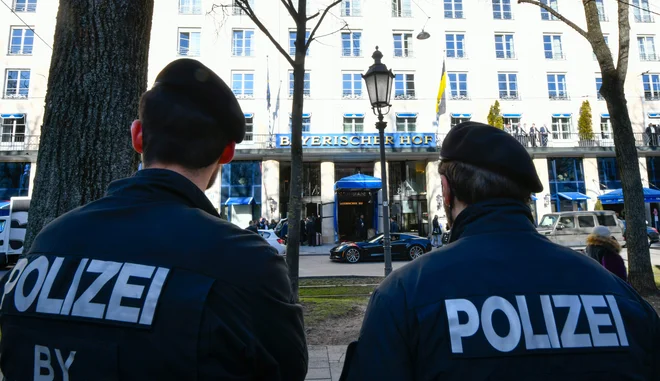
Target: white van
12, 230
572, 228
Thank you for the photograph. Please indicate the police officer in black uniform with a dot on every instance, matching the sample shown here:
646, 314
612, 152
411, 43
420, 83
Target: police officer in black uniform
148, 283
501, 302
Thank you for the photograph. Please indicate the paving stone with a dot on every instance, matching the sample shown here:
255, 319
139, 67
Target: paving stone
318, 363
318, 374
336, 353
335, 370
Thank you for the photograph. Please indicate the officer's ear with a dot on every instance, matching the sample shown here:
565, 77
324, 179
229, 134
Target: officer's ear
228, 154
446, 191
136, 135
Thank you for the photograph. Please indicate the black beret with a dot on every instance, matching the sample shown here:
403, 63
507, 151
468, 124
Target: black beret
199, 83
490, 148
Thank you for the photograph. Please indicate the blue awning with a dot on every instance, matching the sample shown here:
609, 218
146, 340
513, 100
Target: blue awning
512, 115
406, 115
534, 198
604, 115
574, 196
461, 115
305, 115
616, 196
654, 115
354, 115
239, 201
11, 116
248, 115
561, 115
359, 181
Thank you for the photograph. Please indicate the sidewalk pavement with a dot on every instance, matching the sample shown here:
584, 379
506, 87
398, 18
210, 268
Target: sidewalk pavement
317, 250
325, 362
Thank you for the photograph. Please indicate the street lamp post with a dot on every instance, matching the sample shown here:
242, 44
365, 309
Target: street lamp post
378, 80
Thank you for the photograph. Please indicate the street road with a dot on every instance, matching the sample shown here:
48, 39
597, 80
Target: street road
320, 265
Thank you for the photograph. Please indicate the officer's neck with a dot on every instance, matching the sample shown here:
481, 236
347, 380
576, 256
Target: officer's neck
200, 177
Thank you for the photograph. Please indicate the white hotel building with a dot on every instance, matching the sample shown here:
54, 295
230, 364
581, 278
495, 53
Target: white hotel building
539, 69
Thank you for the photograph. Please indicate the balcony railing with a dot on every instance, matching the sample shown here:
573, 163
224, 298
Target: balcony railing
19, 142
504, 55
559, 97
555, 56
459, 97
644, 18
457, 54
401, 12
351, 52
242, 52
406, 53
407, 96
190, 9
510, 97
652, 97
307, 93
18, 51
503, 16
351, 96
454, 14
188, 52
649, 57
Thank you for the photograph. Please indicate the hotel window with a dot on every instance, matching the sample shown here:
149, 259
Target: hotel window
504, 48
552, 47
458, 86
458, 119
545, 15
402, 44
292, 42
351, 8
25, 5
351, 44
502, 10
641, 11
605, 127
602, 16
307, 84
557, 87
242, 84
455, 45
353, 123
608, 173
406, 123
242, 43
651, 83
508, 86
21, 41
561, 127
249, 127
190, 40
401, 8
17, 83
404, 86
306, 122
646, 46
190, 7
13, 128
599, 83
453, 9
237, 10
512, 122
351, 85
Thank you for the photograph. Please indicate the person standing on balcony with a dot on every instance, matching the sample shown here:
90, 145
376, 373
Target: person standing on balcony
533, 133
544, 136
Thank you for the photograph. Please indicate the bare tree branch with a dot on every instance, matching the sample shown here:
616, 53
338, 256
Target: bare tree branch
557, 15
344, 27
318, 24
624, 39
315, 15
245, 6
290, 8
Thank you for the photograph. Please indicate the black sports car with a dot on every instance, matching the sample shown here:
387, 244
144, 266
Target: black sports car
404, 246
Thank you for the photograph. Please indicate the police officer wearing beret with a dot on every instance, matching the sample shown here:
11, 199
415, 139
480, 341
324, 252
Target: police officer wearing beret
148, 283
501, 302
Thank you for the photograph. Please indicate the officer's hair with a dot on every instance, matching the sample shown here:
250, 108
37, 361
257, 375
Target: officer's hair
176, 130
471, 184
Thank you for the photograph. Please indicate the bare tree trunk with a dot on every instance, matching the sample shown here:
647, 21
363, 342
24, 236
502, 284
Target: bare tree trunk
639, 259
97, 73
295, 192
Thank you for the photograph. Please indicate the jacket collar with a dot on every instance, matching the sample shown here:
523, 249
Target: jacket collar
162, 185
492, 216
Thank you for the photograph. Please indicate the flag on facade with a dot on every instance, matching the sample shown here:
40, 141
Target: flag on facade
267, 85
441, 102
277, 102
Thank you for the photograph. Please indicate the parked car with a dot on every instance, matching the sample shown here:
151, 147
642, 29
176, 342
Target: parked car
404, 246
571, 229
651, 233
279, 226
273, 240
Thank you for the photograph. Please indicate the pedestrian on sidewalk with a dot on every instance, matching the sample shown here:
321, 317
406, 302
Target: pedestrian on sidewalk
125, 295
252, 226
501, 302
606, 250
394, 226
311, 232
436, 232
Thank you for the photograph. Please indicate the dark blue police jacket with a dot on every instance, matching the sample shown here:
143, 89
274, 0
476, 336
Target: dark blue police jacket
148, 283
501, 302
